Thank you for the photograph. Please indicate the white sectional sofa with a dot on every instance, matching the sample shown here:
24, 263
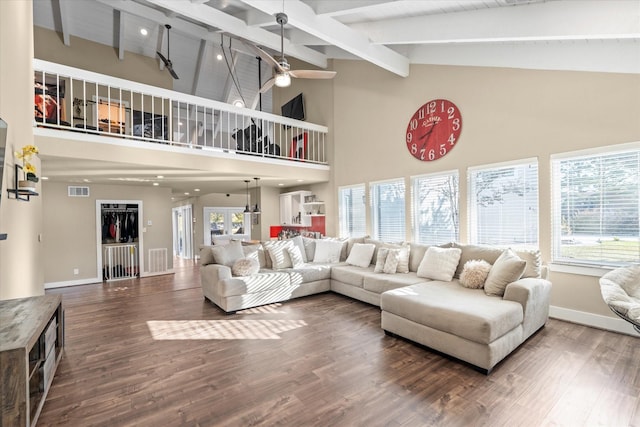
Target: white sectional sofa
420, 304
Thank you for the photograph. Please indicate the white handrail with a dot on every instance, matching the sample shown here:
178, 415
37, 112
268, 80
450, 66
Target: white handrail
151, 114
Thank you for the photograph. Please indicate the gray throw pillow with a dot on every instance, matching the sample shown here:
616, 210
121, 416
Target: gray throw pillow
507, 269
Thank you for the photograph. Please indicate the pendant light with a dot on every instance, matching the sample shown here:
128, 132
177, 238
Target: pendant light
256, 209
247, 209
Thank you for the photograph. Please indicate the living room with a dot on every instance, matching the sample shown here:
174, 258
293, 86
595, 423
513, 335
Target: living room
509, 115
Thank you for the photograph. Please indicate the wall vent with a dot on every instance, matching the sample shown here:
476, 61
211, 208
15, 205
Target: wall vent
75, 191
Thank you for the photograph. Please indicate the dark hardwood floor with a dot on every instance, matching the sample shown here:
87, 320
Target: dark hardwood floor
153, 352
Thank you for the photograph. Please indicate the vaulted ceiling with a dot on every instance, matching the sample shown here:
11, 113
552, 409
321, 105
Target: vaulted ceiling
588, 35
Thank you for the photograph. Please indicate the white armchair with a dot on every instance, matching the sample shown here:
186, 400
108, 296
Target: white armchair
620, 289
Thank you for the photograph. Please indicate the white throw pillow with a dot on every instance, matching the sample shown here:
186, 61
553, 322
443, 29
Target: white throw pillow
474, 273
297, 241
361, 254
280, 256
327, 251
391, 262
245, 267
381, 258
295, 254
439, 263
227, 254
507, 268
281, 244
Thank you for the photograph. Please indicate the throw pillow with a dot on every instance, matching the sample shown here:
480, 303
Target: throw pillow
297, 241
403, 259
309, 248
439, 263
282, 244
507, 268
474, 273
391, 262
327, 251
361, 254
295, 254
254, 251
245, 267
344, 246
381, 258
280, 256
227, 254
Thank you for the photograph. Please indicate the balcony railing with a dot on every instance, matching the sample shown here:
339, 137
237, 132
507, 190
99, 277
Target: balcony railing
82, 101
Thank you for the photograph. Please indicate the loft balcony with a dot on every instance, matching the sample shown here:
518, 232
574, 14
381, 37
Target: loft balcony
93, 107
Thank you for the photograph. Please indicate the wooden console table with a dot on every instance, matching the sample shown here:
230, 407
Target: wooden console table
31, 343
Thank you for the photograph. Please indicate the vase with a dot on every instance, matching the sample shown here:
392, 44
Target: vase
26, 185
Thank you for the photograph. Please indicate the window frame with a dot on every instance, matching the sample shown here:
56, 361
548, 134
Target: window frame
416, 210
342, 219
473, 231
374, 211
573, 265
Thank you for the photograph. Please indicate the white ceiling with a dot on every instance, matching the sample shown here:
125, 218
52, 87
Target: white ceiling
586, 35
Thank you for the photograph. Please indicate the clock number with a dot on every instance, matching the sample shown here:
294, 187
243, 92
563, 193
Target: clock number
413, 125
443, 150
409, 137
422, 151
432, 154
452, 139
414, 148
456, 124
431, 107
451, 111
421, 114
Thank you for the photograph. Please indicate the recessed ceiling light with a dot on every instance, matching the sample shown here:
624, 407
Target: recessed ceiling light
186, 193
219, 57
144, 31
238, 103
45, 178
160, 176
86, 180
196, 189
281, 184
155, 184
300, 180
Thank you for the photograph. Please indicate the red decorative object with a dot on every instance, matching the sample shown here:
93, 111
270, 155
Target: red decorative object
299, 146
433, 130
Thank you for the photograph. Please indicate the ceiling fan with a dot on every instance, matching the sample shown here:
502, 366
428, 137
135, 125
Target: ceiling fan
167, 61
281, 69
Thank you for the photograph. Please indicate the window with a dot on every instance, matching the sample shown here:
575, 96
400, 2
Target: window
595, 207
435, 208
352, 211
388, 210
224, 221
503, 204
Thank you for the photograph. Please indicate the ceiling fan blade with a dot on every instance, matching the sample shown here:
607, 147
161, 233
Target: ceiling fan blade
312, 74
265, 56
173, 73
268, 85
165, 60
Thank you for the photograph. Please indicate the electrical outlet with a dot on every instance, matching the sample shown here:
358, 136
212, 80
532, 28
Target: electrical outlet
76, 271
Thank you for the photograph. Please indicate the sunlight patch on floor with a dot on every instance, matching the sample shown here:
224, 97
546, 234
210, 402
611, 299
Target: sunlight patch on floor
221, 329
269, 309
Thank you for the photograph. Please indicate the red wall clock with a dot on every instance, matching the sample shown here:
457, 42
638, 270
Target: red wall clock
433, 130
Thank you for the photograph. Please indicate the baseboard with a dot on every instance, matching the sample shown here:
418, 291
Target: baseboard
594, 320
159, 273
52, 285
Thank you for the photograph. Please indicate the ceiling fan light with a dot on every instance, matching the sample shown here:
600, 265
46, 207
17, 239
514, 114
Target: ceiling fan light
283, 80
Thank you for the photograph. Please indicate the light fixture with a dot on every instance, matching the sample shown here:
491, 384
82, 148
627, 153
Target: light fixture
238, 103
256, 208
143, 31
247, 209
155, 184
219, 57
283, 79
196, 189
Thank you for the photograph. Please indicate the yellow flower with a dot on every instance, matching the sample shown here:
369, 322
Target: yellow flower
29, 168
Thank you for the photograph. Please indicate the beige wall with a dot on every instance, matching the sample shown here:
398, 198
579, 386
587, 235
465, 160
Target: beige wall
99, 58
21, 254
70, 239
508, 114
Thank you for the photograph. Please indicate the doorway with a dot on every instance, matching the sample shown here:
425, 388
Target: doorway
182, 219
224, 224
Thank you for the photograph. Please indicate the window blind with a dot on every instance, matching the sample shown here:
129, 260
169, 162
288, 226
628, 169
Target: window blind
596, 208
352, 211
388, 210
503, 205
435, 208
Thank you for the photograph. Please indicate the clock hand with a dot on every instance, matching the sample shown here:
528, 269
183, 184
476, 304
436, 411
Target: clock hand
425, 136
